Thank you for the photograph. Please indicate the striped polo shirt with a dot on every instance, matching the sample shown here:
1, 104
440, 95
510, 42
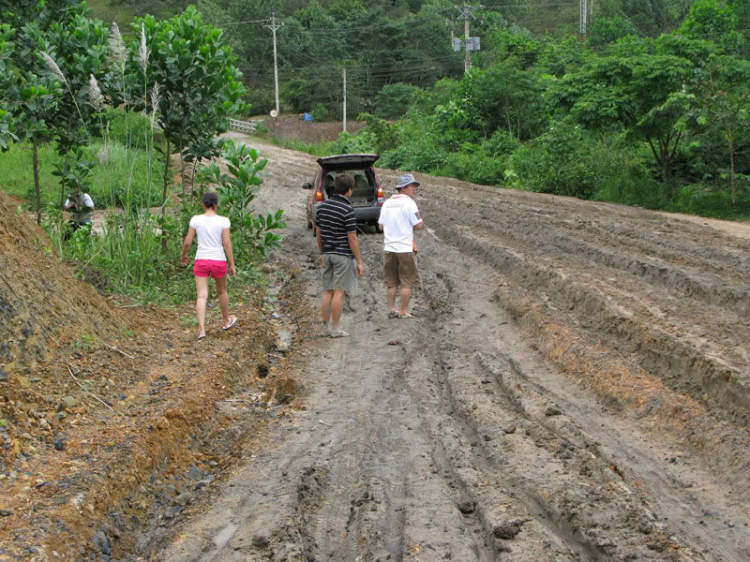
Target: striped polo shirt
335, 218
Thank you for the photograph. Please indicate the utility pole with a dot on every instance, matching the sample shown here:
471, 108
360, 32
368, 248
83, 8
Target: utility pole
343, 74
466, 11
467, 62
273, 27
583, 16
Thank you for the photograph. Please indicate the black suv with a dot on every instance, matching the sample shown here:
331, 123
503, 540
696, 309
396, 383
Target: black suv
367, 196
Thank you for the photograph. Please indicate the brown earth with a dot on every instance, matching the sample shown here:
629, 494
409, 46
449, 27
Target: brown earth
291, 127
112, 419
575, 387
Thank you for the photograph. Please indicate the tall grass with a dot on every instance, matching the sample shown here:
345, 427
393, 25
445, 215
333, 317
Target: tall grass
118, 166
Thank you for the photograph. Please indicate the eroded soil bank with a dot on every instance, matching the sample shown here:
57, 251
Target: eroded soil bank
574, 388
114, 420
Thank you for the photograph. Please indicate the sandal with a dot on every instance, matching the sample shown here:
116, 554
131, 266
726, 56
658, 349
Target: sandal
405, 315
232, 322
393, 314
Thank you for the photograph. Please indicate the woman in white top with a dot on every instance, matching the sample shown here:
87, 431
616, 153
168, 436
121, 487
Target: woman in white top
211, 259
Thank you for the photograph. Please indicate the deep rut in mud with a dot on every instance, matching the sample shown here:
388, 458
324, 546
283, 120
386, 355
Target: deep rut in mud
574, 388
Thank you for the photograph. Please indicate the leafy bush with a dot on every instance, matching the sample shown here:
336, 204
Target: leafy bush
501, 143
568, 161
394, 99
384, 135
261, 101
253, 236
324, 112
364, 141
417, 157
475, 167
712, 200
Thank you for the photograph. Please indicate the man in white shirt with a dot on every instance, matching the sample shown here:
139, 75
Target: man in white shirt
81, 206
399, 218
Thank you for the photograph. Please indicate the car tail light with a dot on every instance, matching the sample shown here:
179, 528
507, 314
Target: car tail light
318, 196
380, 196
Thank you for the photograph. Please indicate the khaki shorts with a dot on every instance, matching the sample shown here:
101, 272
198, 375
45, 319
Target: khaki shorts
339, 273
400, 269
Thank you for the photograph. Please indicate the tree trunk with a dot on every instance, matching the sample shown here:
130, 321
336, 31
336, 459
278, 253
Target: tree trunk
730, 137
167, 161
192, 179
36, 185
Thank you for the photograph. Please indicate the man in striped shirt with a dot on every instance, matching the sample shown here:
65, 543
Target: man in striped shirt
336, 231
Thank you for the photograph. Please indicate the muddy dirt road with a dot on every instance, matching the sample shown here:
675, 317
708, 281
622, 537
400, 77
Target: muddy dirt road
574, 388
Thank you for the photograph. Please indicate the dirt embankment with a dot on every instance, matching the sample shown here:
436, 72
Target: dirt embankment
113, 421
575, 388
41, 303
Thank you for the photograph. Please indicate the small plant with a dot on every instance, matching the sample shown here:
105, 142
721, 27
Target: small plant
253, 236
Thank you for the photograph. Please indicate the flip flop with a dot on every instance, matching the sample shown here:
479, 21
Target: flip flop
405, 315
231, 323
392, 314
201, 338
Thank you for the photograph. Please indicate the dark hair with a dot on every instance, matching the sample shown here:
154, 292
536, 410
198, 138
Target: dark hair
344, 182
210, 199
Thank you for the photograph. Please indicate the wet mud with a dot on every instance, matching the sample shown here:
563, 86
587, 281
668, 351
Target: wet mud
574, 387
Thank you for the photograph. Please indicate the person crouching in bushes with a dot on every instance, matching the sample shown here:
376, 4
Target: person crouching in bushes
214, 251
81, 207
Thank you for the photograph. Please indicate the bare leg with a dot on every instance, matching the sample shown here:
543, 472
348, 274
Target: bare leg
325, 306
201, 287
337, 306
405, 298
221, 290
391, 293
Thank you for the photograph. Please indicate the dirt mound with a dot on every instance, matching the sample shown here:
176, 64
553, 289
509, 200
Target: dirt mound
42, 304
290, 127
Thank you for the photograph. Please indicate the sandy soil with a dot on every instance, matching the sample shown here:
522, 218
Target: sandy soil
574, 388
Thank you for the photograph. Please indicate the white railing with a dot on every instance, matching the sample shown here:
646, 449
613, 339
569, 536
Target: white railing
243, 126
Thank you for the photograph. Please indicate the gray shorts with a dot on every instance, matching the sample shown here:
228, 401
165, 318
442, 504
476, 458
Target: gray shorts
339, 273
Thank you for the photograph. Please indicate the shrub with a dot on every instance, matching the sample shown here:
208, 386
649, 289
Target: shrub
393, 100
363, 141
417, 157
475, 167
323, 112
568, 161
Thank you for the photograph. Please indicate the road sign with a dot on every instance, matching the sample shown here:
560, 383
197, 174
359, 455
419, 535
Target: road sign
274, 113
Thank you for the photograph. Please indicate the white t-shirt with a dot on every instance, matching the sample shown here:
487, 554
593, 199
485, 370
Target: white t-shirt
399, 215
209, 229
82, 215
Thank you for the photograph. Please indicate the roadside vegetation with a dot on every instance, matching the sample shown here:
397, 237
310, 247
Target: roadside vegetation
131, 120
650, 108
657, 120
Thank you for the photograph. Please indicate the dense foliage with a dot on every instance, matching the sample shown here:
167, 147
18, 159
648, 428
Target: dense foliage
112, 107
650, 108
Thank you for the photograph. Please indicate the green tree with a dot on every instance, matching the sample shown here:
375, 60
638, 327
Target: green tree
43, 109
631, 94
723, 102
715, 21
199, 84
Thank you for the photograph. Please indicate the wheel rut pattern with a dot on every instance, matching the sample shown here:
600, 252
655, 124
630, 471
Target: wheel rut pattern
574, 388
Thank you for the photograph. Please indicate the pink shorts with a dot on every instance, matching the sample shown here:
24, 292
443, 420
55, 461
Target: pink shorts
210, 268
